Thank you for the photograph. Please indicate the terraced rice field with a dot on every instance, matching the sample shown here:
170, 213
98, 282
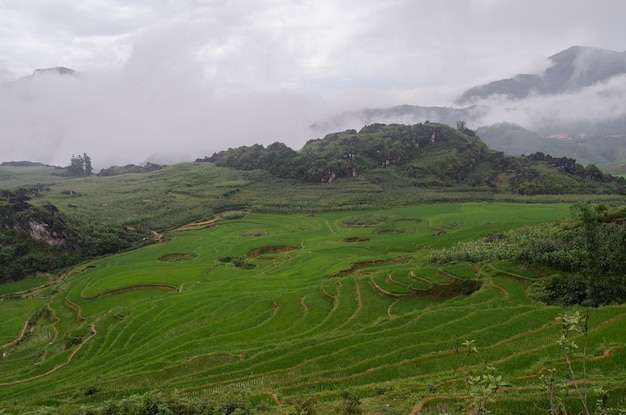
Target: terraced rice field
289, 305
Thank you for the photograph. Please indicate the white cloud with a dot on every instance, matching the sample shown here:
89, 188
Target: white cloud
181, 79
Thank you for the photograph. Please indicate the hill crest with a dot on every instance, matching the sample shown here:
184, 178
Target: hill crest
424, 155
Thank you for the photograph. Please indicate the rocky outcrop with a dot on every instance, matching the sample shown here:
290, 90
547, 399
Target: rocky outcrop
41, 231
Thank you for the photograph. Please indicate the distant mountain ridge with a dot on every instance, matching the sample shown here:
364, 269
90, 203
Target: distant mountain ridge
60, 71
572, 69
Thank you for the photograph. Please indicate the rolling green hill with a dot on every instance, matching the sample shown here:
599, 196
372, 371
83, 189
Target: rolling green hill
379, 166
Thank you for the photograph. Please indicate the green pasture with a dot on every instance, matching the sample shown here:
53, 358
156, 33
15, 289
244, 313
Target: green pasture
21, 285
300, 304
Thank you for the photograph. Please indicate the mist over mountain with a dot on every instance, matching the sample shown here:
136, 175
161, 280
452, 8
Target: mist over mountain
563, 110
571, 70
136, 115
130, 116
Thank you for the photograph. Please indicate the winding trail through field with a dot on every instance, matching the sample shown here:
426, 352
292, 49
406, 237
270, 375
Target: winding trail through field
53, 320
389, 314
419, 405
167, 287
359, 304
502, 290
275, 398
305, 308
76, 308
54, 369
330, 228
606, 353
198, 225
20, 337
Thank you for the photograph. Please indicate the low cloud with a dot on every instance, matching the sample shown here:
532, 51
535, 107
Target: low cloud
598, 103
170, 81
121, 118
117, 119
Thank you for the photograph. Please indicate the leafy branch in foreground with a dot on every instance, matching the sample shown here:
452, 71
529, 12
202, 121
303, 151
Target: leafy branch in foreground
482, 386
570, 324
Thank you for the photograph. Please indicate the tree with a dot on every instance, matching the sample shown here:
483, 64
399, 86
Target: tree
80, 165
77, 166
88, 167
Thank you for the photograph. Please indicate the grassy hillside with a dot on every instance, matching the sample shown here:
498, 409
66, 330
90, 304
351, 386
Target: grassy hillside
129, 206
288, 306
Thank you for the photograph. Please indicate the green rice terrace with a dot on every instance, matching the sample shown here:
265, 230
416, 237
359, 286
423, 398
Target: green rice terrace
304, 313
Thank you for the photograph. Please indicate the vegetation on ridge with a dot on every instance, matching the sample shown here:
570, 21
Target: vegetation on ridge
423, 155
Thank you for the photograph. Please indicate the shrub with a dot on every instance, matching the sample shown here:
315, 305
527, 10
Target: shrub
233, 215
351, 403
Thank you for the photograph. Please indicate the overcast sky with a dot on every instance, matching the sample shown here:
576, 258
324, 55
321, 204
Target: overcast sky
170, 80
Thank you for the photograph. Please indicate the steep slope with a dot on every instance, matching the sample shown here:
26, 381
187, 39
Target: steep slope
32, 239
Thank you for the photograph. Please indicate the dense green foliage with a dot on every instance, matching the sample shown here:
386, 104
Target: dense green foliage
46, 227
80, 166
424, 155
589, 250
38, 238
129, 168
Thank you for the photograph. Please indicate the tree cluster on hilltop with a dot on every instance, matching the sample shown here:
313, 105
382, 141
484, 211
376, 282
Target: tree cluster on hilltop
351, 153
425, 155
80, 166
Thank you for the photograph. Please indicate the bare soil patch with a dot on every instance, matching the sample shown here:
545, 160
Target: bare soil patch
254, 232
270, 249
175, 257
358, 265
166, 287
357, 239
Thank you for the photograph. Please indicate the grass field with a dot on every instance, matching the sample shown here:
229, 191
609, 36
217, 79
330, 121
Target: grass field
296, 304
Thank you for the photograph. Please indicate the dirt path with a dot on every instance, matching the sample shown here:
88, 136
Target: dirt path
606, 353
20, 337
359, 304
330, 228
305, 308
502, 290
76, 308
198, 225
54, 369
419, 405
275, 398
167, 287
389, 309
